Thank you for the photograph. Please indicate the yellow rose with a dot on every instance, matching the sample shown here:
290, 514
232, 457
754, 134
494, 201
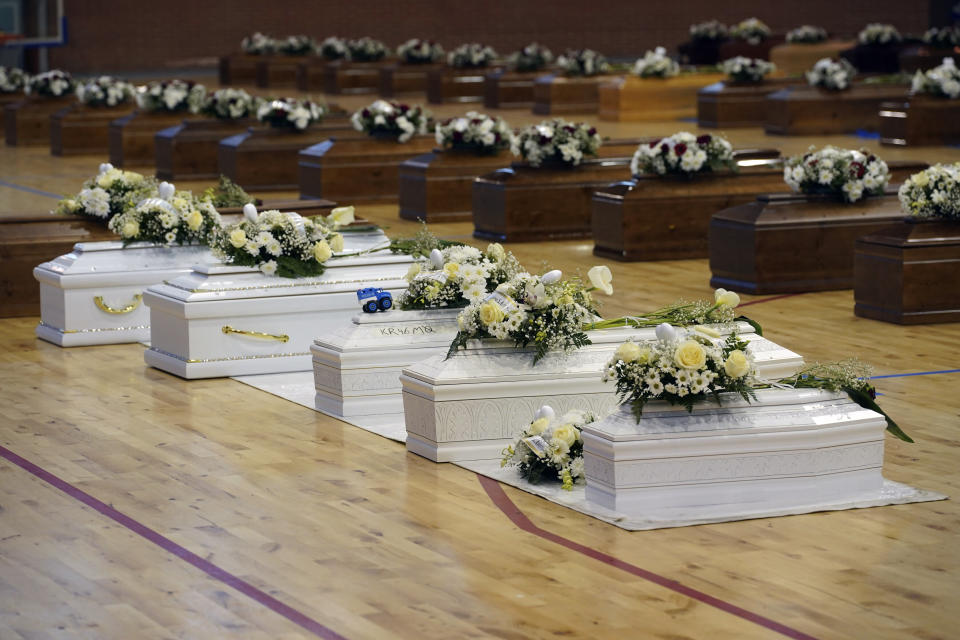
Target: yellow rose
412, 272
726, 298
130, 229
566, 434
565, 299
630, 352
194, 220
336, 242
322, 251
342, 216
690, 355
180, 203
538, 426
71, 205
490, 312
495, 252
920, 179
238, 238
432, 291
451, 269
736, 365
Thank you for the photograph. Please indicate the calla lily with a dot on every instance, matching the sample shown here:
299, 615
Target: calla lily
106, 166
166, 190
551, 276
342, 216
250, 212
546, 411
601, 277
665, 332
436, 258
726, 298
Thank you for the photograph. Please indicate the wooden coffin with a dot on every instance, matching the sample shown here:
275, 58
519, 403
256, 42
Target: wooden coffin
921, 121
668, 217
907, 273
310, 75
733, 48
132, 136
265, 158
806, 110
504, 89
922, 58
399, 79
790, 243
447, 84
798, 58
557, 95
188, 151
27, 121
700, 52
77, 129
875, 58
238, 69
736, 104
526, 204
633, 99
278, 72
356, 168
5, 99
345, 77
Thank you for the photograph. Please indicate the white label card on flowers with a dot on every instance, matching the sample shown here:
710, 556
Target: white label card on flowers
506, 303
538, 445
436, 276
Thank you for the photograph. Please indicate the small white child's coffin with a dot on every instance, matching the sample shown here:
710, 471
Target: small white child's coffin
789, 447
92, 295
472, 405
357, 369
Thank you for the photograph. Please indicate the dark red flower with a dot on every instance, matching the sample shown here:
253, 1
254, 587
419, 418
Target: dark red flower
680, 149
857, 169
704, 139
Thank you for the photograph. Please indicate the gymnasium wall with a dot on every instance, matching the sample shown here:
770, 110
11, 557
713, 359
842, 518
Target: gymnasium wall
118, 35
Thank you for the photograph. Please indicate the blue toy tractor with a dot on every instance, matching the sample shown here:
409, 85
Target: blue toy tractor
371, 299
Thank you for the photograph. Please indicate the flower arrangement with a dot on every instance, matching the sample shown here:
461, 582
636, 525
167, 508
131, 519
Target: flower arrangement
656, 64
876, 33
460, 275
105, 91
167, 218
227, 193
258, 44
807, 34
108, 194
229, 104
12, 79
366, 49
933, 193
283, 244
741, 69
171, 95
943, 80
709, 31
475, 132
942, 37
54, 83
391, 119
532, 57
683, 154
751, 30
290, 113
550, 448
545, 311
831, 74
841, 172
556, 141
471, 56
299, 45
583, 62
416, 51
682, 313
334, 48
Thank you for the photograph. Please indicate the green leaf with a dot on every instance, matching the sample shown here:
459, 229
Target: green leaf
753, 323
863, 399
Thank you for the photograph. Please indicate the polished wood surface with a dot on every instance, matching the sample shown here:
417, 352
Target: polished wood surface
797, 58
921, 58
402, 79
238, 69
132, 137
921, 121
80, 130
875, 58
734, 105
632, 99
555, 94
735, 47
188, 151
447, 84
505, 89
278, 72
806, 110
27, 121
438, 186
344, 76
352, 531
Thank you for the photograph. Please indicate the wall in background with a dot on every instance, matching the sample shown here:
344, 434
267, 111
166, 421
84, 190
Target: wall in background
118, 35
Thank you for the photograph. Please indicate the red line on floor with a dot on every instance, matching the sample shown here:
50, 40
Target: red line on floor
170, 546
506, 505
771, 299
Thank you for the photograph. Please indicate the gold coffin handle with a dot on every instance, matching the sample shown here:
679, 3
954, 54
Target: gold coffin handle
257, 334
103, 306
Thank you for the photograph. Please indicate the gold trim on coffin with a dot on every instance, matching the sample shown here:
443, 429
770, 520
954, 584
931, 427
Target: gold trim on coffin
131, 306
50, 326
282, 337
283, 286
198, 361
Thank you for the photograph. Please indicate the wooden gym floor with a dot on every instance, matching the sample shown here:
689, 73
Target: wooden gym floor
134, 504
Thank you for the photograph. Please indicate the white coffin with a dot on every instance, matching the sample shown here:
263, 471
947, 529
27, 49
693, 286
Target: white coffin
92, 294
224, 320
356, 370
472, 405
789, 447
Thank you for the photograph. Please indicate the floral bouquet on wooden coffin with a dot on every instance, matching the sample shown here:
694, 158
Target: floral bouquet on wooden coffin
708, 31
230, 104
583, 62
366, 50
52, 84
13, 80
844, 173
105, 91
689, 368
831, 74
742, 69
334, 48
475, 132
108, 194
391, 119
171, 96
258, 44
751, 30
551, 448
457, 276
299, 45
877, 33
807, 34
290, 113
683, 154
556, 142
416, 51
933, 193
941, 81
656, 64
471, 56
533, 57
167, 218
942, 37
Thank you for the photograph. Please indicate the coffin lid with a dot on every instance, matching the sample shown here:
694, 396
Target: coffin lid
786, 209
394, 329
88, 258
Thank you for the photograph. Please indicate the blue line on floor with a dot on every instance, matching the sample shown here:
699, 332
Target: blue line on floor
919, 373
870, 135
36, 192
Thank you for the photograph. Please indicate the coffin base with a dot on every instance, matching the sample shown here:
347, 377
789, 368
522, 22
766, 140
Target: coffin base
238, 366
91, 337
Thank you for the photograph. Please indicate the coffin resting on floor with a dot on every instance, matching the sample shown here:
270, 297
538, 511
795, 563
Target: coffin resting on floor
805, 110
554, 94
27, 121
920, 121
238, 69
279, 72
471, 406
81, 130
736, 104
132, 136
400, 78
797, 58
633, 99
188, 151
505, 89
447, 84
922, 58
